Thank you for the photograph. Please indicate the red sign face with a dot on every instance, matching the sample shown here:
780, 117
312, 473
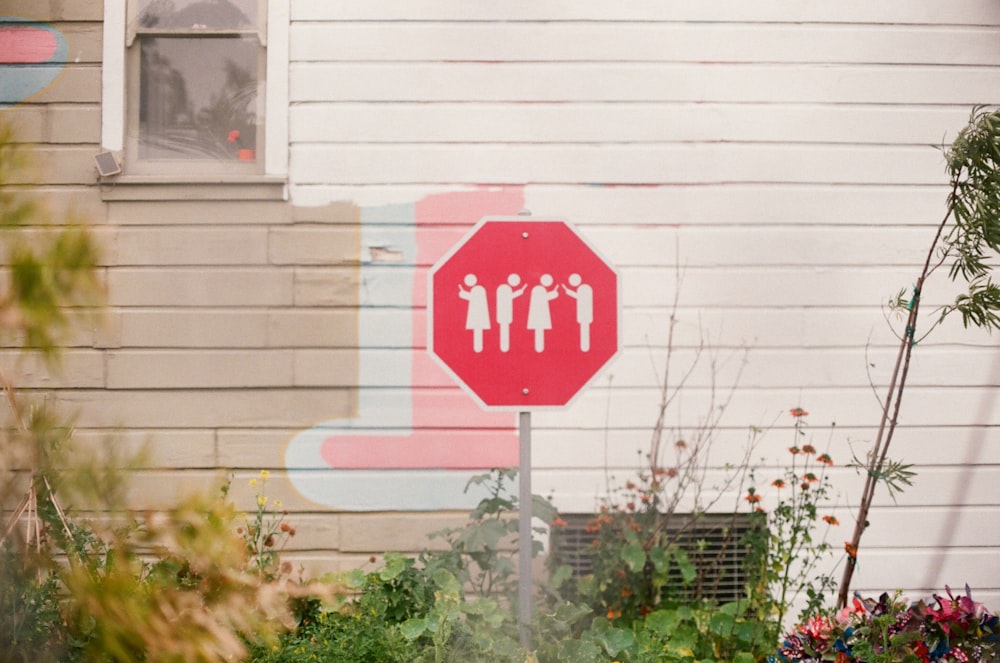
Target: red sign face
523, 313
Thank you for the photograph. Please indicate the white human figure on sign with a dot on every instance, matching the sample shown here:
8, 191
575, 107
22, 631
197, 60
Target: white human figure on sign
584, 296
506, 294
539, 316
477, 318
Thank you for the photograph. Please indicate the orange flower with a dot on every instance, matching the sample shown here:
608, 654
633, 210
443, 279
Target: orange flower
794, 450
831, 520
808, 449
778, 483
798, 412
852, 551
825, 459
752, 497
559, 522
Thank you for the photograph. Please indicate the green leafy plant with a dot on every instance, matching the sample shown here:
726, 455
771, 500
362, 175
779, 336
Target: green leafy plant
172, 587
681, 633
358, 619
265, 531
31, 623
968, 236
49, 274
637, 560
634, 556
482, 554
789, 543
449, 605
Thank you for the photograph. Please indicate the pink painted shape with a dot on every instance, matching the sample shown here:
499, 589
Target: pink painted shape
483, 440
22, 44
423, 450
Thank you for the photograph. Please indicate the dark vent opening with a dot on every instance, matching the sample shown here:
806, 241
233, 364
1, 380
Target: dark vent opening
713, 543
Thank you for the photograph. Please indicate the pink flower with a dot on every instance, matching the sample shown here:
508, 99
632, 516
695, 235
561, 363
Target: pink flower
818, 629
856, 608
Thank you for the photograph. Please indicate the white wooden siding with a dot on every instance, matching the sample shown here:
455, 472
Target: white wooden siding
781, 152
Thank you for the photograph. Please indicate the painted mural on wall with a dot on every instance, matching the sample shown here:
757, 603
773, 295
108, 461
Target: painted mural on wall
32, 55
393, 454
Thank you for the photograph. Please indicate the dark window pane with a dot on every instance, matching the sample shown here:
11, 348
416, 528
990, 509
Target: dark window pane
197, 97
212, 14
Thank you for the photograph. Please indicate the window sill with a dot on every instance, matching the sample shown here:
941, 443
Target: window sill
136, 187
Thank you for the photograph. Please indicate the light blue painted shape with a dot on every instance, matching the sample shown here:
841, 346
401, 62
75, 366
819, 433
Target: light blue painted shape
385, 321
20, 81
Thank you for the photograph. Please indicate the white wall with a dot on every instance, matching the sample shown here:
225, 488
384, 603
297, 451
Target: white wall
783, 153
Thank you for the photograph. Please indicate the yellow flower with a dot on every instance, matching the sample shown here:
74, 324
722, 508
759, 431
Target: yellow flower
277, 504
261, 500
264, 474
252, 483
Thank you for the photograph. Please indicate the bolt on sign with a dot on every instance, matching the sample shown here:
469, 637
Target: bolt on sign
523, 313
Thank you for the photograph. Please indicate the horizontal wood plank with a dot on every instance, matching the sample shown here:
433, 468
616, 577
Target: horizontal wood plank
550, 82
636, 122
611, 163
642, 41
970, 12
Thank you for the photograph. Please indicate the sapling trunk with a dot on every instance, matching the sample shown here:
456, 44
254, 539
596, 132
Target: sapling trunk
973, 212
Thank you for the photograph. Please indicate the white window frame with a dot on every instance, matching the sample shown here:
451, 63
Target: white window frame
114, 120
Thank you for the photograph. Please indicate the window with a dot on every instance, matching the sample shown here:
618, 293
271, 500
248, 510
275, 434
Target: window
194, 71
713, 543
196, 89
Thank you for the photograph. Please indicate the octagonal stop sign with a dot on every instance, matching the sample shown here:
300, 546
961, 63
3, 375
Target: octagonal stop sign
523, 313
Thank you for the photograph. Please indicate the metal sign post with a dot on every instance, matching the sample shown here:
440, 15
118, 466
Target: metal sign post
524, 530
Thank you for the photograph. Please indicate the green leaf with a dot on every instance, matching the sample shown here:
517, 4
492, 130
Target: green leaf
687, 569
483, 536
721, 624
616, 641
661, 622
413, 628
660, 559
446, 582
634, 556
543, 509
749, 631
395, 564
570, 613
562, 573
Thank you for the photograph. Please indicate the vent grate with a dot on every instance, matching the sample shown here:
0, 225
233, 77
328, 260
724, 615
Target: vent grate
713, 543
